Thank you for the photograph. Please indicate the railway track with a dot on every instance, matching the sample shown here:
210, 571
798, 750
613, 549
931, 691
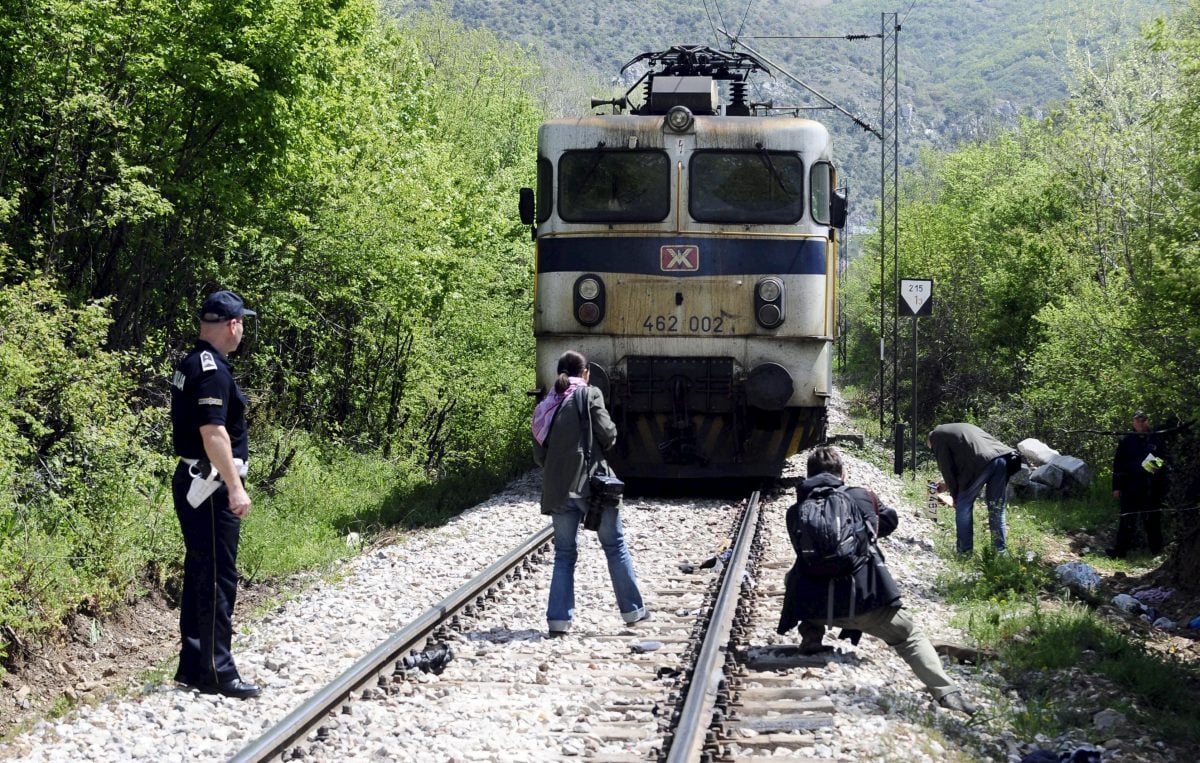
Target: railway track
692, 684
509, 693
638, 693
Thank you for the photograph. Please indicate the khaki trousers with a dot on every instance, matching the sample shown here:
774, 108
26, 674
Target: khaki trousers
897, 630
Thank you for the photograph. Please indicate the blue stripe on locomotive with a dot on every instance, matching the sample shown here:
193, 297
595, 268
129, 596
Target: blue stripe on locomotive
718, 256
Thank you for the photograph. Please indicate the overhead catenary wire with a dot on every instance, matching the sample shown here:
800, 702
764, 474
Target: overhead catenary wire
910, 10
745, 13
734, 40
708, 15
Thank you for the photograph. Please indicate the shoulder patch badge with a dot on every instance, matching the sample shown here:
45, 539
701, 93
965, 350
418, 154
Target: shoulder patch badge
207, 361
210, 401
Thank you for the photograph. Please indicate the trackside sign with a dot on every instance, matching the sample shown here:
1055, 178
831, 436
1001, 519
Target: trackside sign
916, 297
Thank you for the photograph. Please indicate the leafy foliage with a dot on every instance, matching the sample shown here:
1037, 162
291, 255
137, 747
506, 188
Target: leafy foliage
347, 175
75, 525
1064, 259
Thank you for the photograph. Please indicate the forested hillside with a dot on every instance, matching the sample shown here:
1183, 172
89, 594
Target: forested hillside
966, 67
1066, 269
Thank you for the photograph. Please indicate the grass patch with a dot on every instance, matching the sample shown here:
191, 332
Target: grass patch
992, 576
1036, 640
1004, 606
328, 494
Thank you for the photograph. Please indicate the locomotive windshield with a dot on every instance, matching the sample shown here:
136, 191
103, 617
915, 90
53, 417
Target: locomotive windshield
614, 186
746, 187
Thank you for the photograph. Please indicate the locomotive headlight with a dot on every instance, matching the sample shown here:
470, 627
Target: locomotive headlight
589, 313
768, 303
589, 299
770, 316
680, 118
589, 288
769, 290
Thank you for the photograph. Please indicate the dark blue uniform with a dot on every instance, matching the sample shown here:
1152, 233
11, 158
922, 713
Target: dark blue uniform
203, 391
1141, 492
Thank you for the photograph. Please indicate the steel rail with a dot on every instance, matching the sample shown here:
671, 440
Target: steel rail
696, 716
300, 721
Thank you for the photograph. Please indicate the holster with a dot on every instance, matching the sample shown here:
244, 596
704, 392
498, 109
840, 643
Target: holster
205, 481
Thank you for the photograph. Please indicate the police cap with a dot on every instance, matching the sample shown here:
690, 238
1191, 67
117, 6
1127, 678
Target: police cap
222, 306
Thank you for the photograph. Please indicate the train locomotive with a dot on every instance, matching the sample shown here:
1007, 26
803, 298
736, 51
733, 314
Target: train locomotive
688, 247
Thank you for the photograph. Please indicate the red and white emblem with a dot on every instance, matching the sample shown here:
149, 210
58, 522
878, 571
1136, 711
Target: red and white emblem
679, 257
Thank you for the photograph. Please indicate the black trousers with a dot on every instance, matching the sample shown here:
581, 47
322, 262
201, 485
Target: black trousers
1139, 507
210, 537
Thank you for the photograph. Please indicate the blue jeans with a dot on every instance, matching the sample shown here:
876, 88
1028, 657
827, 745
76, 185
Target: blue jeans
995, 478
561, 609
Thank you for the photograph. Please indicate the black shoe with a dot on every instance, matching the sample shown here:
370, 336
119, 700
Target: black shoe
956, 701
235, 688
810, 646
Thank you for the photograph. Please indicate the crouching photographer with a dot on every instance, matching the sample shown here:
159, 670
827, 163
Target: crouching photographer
571, 431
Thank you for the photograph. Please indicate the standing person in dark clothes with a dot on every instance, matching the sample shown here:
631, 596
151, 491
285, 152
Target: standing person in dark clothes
208, 418
970, 459
1139, 486
867, 600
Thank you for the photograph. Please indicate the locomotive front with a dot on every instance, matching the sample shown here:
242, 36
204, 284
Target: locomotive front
689, 250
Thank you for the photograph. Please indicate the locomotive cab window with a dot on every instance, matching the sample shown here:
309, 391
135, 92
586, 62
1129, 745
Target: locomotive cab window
821, 182
607, 186
746, 187
545, 188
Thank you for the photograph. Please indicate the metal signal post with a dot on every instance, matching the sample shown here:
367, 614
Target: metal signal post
889, 172
916, 299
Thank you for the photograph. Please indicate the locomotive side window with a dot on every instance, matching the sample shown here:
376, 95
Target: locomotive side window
614, 186
821, 183
746, 187
545, 188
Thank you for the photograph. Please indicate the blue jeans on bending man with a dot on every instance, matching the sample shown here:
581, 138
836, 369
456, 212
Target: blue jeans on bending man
561, 609
994, 484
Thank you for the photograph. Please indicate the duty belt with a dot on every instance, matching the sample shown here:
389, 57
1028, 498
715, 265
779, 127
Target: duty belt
242, 466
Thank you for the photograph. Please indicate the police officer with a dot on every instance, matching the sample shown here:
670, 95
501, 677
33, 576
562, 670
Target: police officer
208, 417
1139, 487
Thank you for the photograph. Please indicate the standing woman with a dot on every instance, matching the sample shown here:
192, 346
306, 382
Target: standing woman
560, 421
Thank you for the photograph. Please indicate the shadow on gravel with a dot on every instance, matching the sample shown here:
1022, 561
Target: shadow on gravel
728, 488
504, 635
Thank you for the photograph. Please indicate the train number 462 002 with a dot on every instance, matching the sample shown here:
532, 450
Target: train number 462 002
693, 324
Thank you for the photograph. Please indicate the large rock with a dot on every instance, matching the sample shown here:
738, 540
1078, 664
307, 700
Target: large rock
1049, 475
1018, 484
1035, 451
1074, 469
1021, 486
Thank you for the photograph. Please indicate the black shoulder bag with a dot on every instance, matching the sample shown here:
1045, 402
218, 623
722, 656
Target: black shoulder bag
604, 489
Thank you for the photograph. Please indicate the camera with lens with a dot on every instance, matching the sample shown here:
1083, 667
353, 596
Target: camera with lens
605, 494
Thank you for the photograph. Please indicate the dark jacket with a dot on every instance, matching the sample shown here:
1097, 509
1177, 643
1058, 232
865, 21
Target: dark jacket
964, 451
871, 587
1129, 476
562, 455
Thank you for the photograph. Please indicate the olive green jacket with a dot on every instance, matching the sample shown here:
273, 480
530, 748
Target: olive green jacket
963, 451
561, 458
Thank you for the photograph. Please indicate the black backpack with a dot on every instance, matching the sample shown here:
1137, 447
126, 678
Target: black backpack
832, 538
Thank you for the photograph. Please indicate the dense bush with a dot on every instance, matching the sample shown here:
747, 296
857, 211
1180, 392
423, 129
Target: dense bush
354, 179
78, 513
1065, 265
